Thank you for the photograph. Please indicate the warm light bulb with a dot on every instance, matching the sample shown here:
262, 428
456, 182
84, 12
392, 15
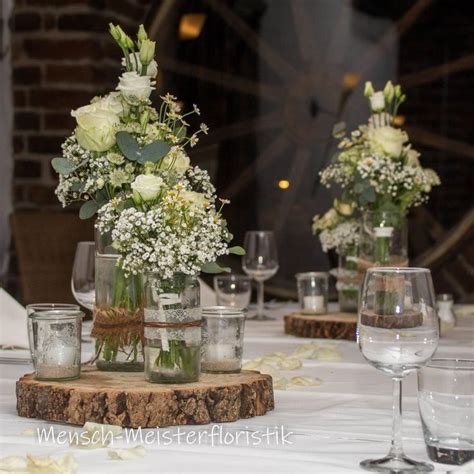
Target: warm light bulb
283, 184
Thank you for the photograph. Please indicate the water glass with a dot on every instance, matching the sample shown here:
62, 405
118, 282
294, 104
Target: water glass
233, 290
83, 275
397, 333
446, 402
38, 307
222, 339
55, 343
313, 292
261, 263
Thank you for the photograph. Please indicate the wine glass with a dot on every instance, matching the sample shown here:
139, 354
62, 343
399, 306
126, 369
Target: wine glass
260, 262
397, 334
83, 271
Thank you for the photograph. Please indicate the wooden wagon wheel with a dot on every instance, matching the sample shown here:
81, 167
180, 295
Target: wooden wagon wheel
306, 99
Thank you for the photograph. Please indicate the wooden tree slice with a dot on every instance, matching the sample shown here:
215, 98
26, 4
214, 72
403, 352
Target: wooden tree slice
327, 326
126, 399
409, 319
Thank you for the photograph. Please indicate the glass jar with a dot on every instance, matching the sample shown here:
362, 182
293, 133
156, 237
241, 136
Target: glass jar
313, 292
383, 239
118, 312
172, 320
55, 343
222, 339
348, 280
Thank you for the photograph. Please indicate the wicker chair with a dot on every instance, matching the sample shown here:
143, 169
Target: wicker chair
45, 245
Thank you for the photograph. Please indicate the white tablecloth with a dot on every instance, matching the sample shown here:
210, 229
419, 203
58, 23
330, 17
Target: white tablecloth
333, 426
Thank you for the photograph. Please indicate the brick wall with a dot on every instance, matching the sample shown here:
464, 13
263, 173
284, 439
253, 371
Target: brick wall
62, 56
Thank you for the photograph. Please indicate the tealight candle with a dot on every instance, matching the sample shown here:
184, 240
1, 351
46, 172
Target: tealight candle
55, 342
222, 339
312, 292
314, 304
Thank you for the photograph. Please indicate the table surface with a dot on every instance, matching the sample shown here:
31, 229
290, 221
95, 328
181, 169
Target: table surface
328, 428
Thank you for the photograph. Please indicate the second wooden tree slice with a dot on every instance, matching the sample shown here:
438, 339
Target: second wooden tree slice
126, 399
326, 326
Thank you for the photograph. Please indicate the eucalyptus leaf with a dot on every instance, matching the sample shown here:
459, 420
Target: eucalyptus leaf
213, 267
63, 166
101, 197
88, 209
154, 151
77, 187
237, 250
128, 145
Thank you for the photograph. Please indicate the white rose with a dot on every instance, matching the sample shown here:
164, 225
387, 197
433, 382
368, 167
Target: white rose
194, 200
412, 158
148, 186
112, 102
96, 128
135, 88
387, 140
377, 101
327, 221
177, 158
151, 70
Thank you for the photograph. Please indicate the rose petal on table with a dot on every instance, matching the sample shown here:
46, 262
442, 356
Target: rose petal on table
290, 363
12, 464
330, 354
29, 432
268, 369
103, 428
305, 381
252, 364
127, 453
280, 383
46, 464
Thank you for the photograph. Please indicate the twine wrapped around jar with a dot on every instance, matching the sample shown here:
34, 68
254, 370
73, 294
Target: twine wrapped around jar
117, 326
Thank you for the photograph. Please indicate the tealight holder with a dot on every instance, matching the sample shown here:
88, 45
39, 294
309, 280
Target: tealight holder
55, 344
313, 292
222, 339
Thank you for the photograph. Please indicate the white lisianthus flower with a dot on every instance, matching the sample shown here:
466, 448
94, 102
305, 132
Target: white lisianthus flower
135, 88
147, 186
151, 70
96, 128
177, 159
387, 140
377, 101
194, 200
413, 158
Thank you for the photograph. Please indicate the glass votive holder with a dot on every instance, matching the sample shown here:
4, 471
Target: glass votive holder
446, 403
222, 339
233, 290
313, 292
55, 343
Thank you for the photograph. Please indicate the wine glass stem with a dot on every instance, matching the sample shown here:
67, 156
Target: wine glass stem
259, 298
396, 449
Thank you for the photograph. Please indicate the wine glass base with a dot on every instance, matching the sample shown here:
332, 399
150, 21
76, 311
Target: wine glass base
260, 317
394, 464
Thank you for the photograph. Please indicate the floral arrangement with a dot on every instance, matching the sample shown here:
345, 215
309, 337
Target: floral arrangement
376, 168
127, 162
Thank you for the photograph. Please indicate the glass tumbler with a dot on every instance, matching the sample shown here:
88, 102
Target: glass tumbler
222, 339
233, 290
446, 403
55, 343
313, 292
38, 307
